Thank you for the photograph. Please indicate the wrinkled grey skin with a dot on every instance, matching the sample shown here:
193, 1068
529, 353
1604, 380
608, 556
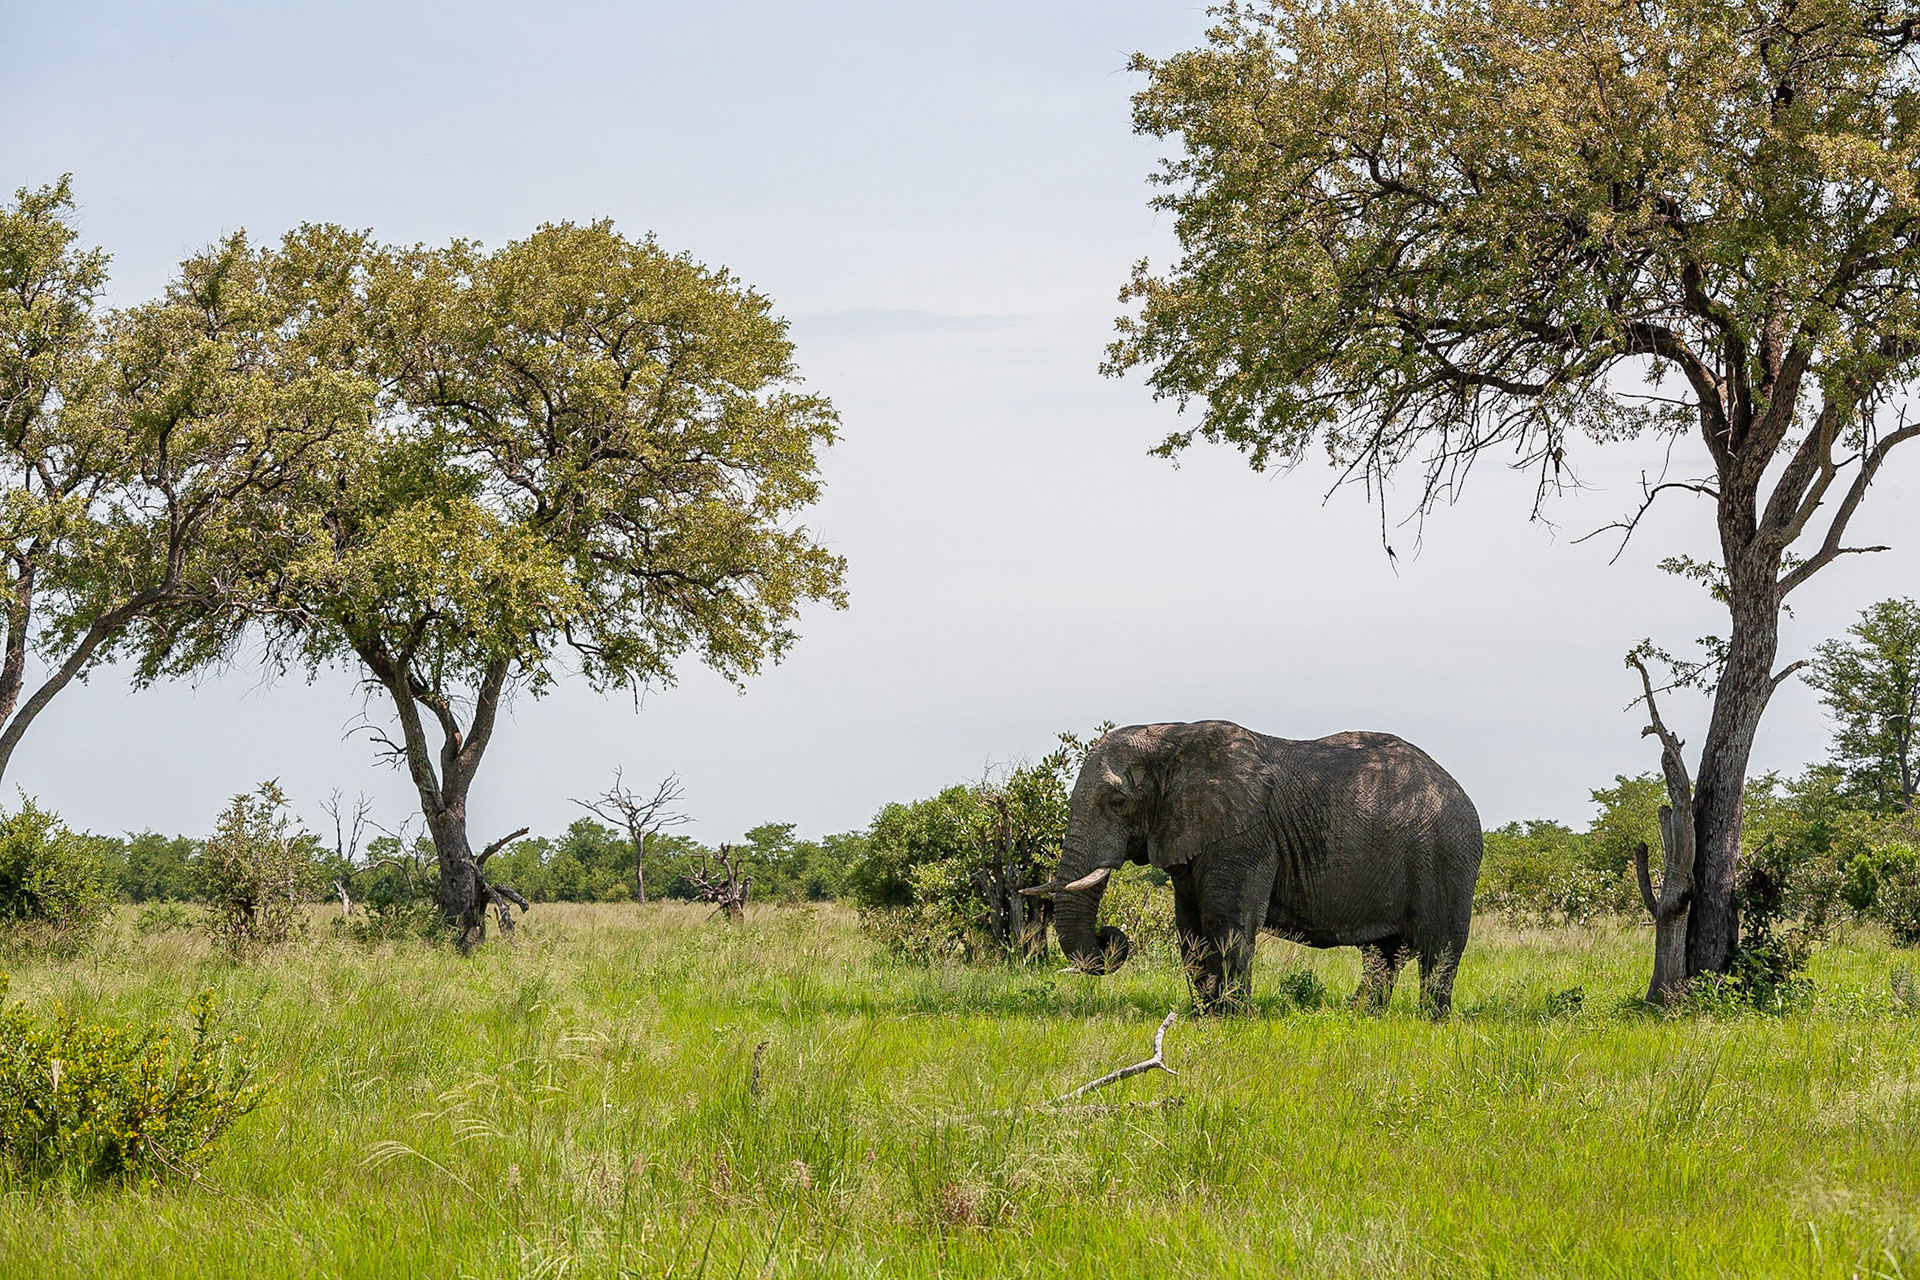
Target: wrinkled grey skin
1358, 839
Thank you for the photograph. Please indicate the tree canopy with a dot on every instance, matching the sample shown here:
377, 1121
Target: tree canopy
1414, 233
1871, 686
132, 442
580, 453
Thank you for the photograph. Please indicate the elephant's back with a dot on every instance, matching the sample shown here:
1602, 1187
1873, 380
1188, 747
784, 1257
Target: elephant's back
1394, 819
1391, 778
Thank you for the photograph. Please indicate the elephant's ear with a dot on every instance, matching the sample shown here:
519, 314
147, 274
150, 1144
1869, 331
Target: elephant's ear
1209, 792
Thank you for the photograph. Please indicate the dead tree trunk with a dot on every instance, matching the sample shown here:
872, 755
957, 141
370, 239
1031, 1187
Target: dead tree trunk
1669, 903
728, 890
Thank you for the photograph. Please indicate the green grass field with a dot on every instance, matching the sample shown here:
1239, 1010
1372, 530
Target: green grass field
580, 1103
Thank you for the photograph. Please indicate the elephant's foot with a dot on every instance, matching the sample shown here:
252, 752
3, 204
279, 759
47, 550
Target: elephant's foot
1223, 999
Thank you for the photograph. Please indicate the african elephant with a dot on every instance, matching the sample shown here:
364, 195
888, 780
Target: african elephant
1358, 839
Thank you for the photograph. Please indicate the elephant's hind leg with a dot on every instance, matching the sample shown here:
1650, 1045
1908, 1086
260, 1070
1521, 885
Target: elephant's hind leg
1379, 967
1437, 968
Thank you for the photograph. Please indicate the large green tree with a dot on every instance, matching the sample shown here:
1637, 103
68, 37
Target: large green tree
1414, 233
585, 456
1871, 686
131, 441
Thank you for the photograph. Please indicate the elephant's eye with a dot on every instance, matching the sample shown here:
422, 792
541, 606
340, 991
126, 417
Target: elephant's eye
1116, 801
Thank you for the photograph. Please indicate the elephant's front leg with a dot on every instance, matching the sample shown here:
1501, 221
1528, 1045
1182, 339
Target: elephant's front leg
1203, 961
1216, 911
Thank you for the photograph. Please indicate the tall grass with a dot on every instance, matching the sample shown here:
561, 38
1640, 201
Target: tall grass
582, 1102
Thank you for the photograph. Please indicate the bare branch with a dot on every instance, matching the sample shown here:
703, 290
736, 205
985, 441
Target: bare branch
1830, 547
1158, 1062
1650, 493
1645, 880
1671, 902
498, 845
1781, 676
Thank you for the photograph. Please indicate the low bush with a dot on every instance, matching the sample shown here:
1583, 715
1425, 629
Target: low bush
1898, 900
256, 872
53, 881
1544, 871
1767, 970
397, 894
162, 917
1303, 989
91, 1104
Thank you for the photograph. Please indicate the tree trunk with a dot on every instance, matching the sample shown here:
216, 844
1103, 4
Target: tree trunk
1668, 906
463, 895
1746, 686
640, 867
461, 899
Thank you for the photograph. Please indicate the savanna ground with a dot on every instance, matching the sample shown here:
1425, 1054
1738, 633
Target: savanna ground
581, 1102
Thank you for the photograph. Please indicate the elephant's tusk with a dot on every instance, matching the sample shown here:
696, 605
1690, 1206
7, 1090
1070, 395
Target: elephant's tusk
1092, 880
1042, 890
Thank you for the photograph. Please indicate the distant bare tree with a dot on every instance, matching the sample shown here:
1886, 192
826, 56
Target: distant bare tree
641, 818
347, 833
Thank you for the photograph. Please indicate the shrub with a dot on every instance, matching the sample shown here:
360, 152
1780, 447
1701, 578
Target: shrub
1792, 827
162, 917
1139, 906
157, 868
1898, 900
96, 1104
53, 882
1766, 967
256, 871
943, 876
1880, 880
1545, 871
1303, 989
397, 894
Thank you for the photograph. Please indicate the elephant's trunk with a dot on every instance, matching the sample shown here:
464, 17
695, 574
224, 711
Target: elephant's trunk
1088, 948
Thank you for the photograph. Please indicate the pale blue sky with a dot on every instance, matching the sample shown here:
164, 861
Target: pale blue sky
944, 199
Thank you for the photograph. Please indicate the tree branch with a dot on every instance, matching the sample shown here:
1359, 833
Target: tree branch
1830, 548
1158, 1062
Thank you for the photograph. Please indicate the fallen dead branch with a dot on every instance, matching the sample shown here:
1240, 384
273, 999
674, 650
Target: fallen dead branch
1167, 1103
1158, 1062
1065, 1102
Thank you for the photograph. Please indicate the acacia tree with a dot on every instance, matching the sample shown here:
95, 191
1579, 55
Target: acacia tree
1416, 233
1871, 685
586, 455
130, 442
